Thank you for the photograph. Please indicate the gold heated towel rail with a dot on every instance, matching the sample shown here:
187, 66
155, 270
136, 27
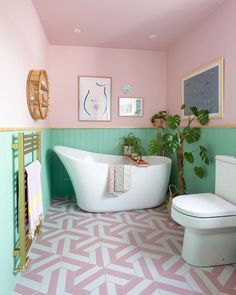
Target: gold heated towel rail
26, 143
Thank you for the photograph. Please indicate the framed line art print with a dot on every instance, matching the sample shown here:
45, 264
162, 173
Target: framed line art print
204, 89
130, 106
94, 98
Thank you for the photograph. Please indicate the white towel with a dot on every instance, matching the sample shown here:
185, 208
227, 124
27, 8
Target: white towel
34, 196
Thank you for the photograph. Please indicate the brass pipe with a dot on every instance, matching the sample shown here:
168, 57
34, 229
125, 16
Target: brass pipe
30, 147
30, 141
39, 146
21, 206
29, 151
31, 135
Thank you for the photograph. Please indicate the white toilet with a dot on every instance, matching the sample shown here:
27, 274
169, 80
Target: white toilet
210, 219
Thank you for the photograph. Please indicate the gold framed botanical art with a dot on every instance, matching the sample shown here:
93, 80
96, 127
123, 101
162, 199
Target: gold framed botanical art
94, 98
204, 89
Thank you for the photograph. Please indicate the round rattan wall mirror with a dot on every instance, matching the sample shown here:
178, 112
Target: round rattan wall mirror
38, 94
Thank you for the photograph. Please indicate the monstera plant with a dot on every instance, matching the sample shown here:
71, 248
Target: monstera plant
175, 139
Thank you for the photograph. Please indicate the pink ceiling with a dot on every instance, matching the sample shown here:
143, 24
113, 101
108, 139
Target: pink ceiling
121, 23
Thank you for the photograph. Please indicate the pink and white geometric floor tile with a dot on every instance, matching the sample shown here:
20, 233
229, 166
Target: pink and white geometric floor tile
123, 253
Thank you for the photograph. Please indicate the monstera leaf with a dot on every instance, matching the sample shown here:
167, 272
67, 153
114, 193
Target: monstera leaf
154, 146
170, 142
173, 121
194, 110
203, 154
199, 171
203, 117
191, 134
189, 157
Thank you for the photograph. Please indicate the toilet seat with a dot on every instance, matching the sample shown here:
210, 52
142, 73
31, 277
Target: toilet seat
205, 205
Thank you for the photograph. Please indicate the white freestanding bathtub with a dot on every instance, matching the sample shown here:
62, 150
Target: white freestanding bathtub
89, 174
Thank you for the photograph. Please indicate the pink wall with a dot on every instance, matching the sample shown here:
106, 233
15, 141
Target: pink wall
144, 70
23, 46
213, 38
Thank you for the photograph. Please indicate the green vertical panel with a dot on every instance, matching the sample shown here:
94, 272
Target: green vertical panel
53, 166
89, 139
61, 137
118, 134
78, 137
68, 185
115, 141
58, 170
46, 155
81, 141
95, 140
111, 137
7, 279
98, 142
71, 137
64, 176
103, 141
108, 140
67, 137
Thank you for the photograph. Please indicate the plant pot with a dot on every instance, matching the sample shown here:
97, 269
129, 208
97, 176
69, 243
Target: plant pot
128, 150
158, 123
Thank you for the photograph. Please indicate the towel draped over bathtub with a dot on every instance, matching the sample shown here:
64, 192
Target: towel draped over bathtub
34, 196
119, 179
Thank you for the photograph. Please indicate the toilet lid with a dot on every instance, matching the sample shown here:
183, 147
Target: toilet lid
203, 205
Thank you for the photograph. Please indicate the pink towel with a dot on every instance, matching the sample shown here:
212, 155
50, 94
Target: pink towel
34, 196
119, 179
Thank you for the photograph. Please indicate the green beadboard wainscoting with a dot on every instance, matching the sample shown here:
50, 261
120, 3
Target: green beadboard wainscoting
100, 140
8, 211
217, 140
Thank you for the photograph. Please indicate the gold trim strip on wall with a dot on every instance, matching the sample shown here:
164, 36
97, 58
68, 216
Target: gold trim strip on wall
9, 129
139, 127
104, 127
74, 127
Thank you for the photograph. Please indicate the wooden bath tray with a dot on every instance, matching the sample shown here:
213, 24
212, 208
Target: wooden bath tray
140, 163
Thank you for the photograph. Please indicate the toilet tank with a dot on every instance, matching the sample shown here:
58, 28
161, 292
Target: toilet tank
225, 180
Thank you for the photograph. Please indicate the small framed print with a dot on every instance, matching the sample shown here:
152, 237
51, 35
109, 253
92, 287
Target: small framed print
130, 107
